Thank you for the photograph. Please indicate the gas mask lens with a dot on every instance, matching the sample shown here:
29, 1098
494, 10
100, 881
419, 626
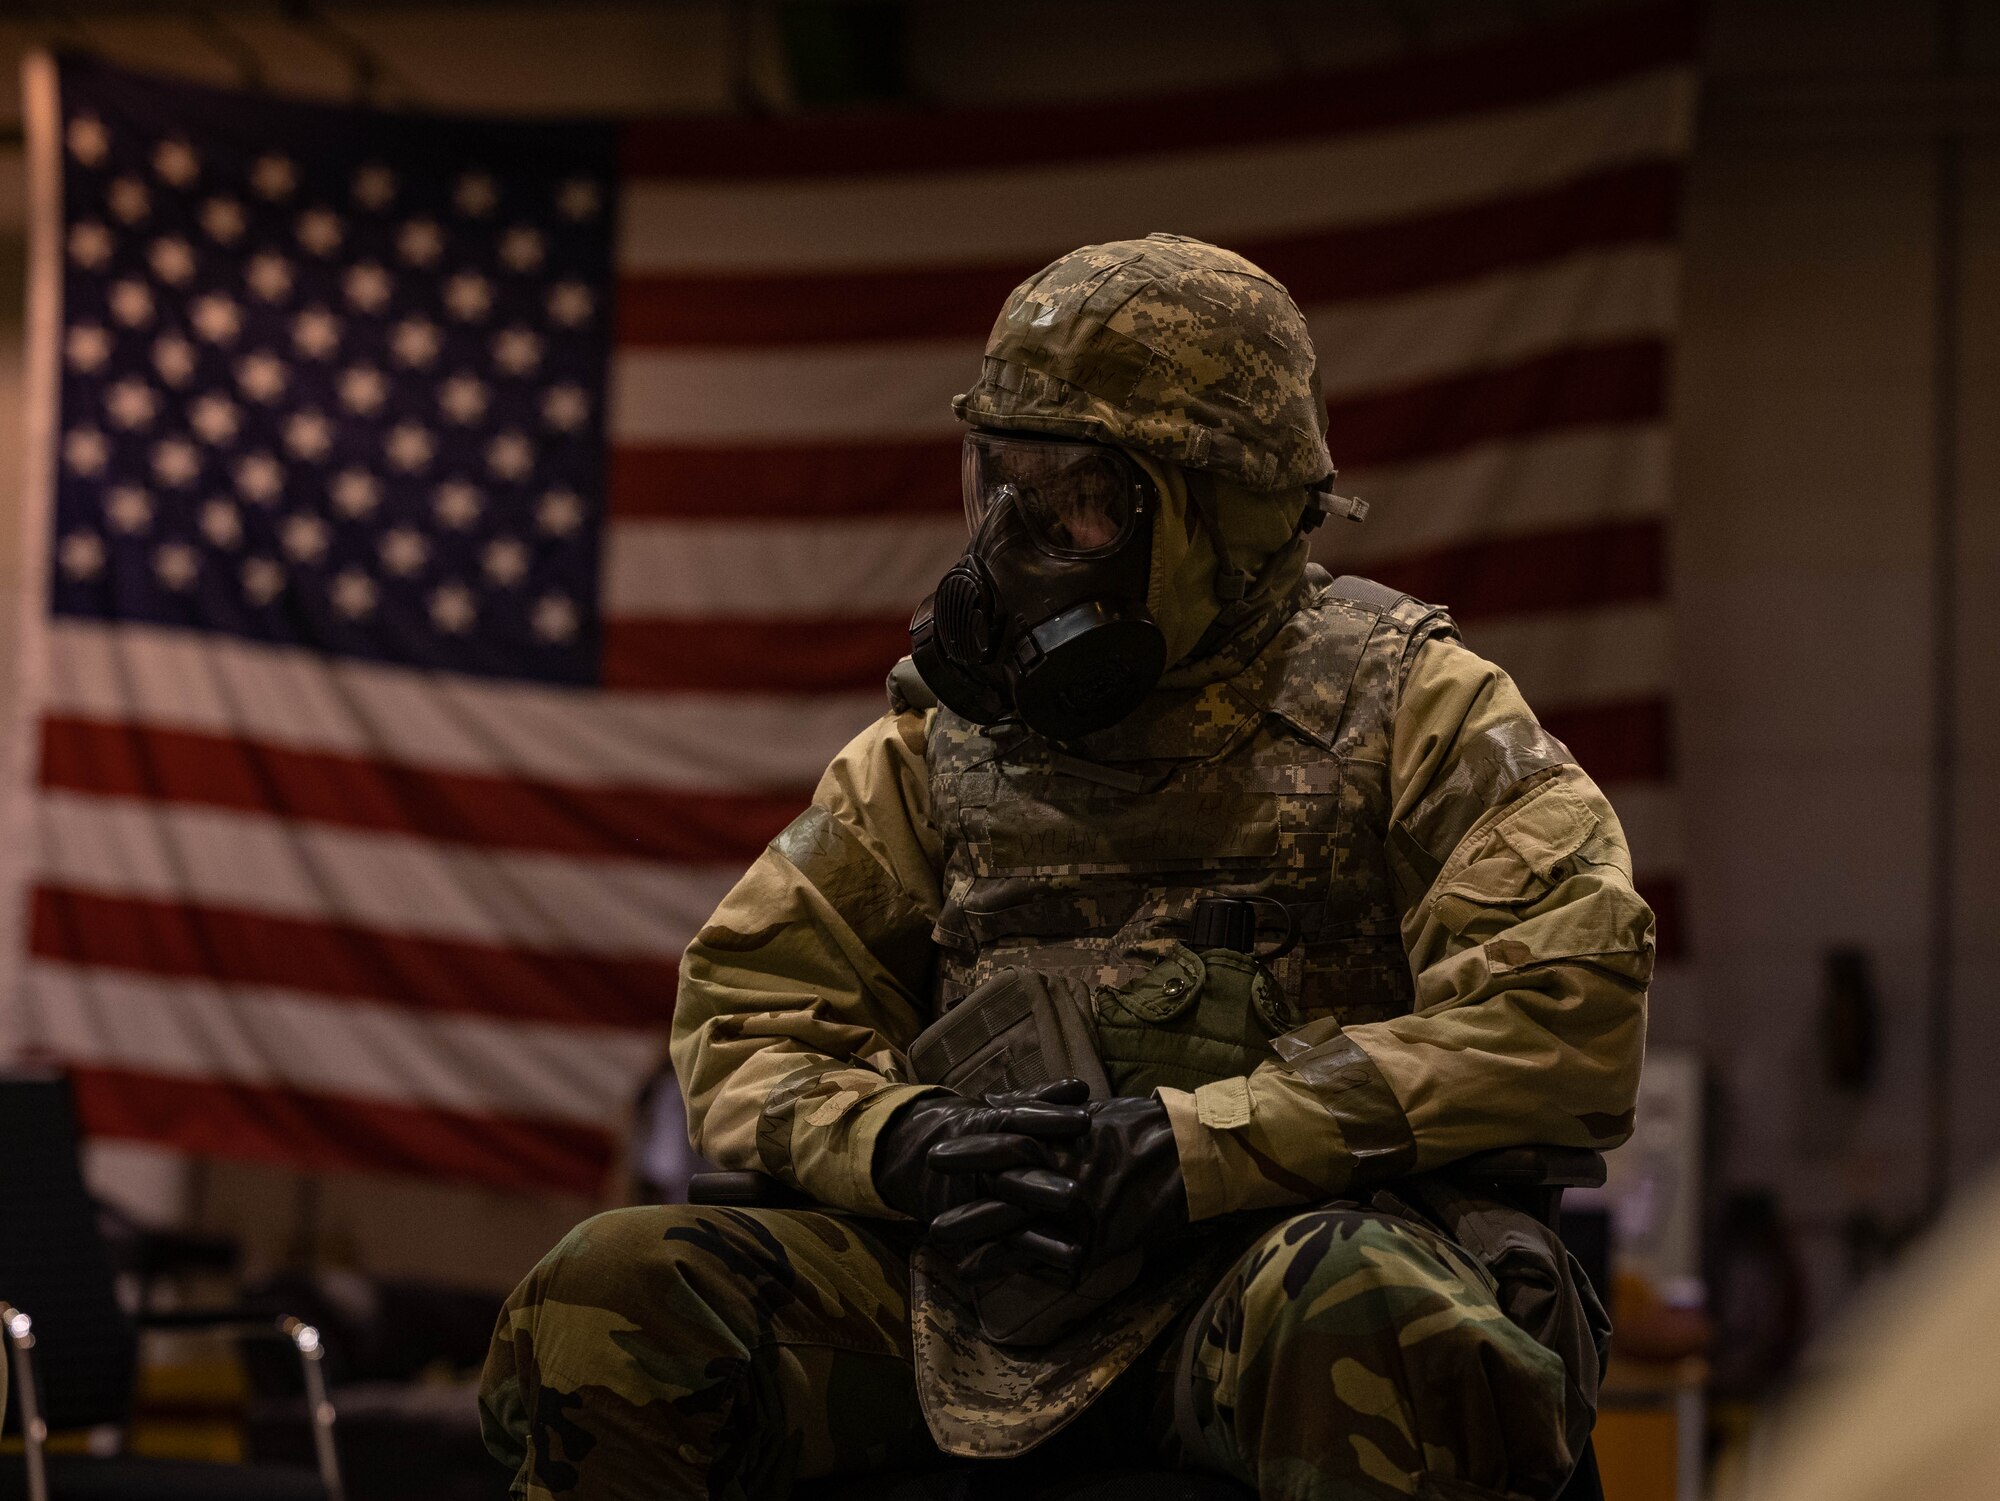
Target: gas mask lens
1077, 500
1045, 616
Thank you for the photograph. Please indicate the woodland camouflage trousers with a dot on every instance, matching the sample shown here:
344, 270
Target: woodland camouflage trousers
678, 1351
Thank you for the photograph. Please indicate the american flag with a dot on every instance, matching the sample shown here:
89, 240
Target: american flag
468, 540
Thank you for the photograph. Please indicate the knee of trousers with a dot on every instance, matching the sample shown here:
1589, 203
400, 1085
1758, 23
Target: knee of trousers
1350, 1278
642, 1268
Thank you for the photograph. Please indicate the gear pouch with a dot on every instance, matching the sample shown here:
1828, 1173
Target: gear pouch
1194, 1017
1018, 1029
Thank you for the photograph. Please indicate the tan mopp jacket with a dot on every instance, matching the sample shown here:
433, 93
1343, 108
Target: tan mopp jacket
1470, 972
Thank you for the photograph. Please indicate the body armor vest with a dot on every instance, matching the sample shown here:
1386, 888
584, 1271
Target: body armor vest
1273, 785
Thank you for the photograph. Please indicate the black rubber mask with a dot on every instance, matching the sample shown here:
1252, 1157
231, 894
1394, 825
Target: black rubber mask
1045, 619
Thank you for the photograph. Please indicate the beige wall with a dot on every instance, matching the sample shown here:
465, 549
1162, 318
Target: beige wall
1803, 538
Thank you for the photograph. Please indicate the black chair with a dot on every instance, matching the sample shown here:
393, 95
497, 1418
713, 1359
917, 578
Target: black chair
72, 1348
1531, 1178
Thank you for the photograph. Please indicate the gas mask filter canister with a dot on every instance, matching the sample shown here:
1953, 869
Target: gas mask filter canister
1044, 618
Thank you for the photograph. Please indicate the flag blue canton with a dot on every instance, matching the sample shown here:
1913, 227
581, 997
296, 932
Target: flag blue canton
334, 379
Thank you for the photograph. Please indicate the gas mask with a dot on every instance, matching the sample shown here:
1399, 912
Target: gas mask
1045, 619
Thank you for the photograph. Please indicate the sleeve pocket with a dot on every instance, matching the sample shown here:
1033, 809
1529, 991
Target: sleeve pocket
1515, 860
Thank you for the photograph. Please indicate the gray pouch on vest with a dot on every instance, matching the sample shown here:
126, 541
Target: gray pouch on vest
1017, 1030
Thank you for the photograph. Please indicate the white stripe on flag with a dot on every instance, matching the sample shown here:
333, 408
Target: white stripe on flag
1227, 195
903, 389
393, 882
1551, 483
823, 570
286, 697
202, 1029
778, 570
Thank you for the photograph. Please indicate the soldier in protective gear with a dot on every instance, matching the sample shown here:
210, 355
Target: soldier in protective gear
1126, 994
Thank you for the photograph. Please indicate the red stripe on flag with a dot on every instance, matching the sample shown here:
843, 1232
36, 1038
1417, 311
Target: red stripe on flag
1573, 387
1623, 205
125, 760
1575, 569
1625, 742
1533, 64
1615, 563
327, 958
766, 482
321, 1132
752, 656
1663, 895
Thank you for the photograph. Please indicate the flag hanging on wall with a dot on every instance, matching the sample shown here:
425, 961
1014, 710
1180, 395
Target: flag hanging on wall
464, 542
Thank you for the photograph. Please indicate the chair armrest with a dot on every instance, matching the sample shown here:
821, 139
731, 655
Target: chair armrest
743, 1190
1532, 1167
256, 1323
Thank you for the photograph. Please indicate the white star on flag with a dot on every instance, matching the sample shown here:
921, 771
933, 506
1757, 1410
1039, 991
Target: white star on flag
320, 231
374, 186
176, 564
220, 523
216, 318
176, 163
263, 579
131, 303
363, 388
87, 346
269, 276
90, 245
174, 359
81, 555
304, 538
88, 139
368, 287
353, 593
453, 609
420, 242
129, 200
404, 551
356, 492
458, 504
260, 477
129, 509
213, 417
274, 177
409, 447
131, 404
262, 376
222, 218
175, 462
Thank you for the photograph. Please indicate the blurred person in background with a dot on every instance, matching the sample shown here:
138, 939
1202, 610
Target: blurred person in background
1287, 890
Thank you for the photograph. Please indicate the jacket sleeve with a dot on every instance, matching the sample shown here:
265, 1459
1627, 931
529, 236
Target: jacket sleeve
798, 998
1531, 953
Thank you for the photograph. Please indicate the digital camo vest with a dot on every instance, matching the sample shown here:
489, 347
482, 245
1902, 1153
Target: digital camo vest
1272, 784
1087, 864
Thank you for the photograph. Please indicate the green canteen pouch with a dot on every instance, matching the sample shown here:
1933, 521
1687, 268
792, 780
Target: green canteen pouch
1192, 1018
1017, 1030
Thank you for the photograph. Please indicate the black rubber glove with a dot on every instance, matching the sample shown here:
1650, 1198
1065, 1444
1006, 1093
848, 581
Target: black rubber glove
1117, 1188
972, 1137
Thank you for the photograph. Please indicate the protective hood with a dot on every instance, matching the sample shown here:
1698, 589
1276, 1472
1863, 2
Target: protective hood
1228, 569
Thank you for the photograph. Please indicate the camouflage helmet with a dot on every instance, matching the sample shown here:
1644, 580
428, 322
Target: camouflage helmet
1168, 345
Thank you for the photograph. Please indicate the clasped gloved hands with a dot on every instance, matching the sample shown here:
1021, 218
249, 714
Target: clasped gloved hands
1114, 1187
930, 1158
